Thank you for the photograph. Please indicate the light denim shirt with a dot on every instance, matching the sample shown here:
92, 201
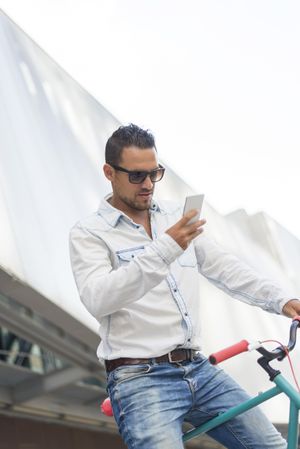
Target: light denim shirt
145, 292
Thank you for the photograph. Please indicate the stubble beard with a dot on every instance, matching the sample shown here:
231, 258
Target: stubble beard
136, 205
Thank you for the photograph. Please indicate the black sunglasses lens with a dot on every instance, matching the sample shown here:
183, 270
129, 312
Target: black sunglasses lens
157, 175
137, 177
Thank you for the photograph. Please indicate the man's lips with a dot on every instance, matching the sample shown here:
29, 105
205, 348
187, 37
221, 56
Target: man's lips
145, 194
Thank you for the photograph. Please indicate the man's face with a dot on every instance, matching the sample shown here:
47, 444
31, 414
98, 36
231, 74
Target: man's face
134, 196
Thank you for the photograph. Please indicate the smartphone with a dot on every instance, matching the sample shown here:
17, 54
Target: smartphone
193, 202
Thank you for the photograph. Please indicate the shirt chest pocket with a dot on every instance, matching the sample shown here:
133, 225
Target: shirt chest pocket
126, 255
188, 258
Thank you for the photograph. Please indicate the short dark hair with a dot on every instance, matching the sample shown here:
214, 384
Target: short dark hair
126, 136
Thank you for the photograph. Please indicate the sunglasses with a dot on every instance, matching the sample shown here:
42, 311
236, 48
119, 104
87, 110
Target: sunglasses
137, 177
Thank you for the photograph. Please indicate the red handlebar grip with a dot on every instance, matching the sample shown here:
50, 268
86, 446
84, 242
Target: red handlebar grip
226, 353
106, 407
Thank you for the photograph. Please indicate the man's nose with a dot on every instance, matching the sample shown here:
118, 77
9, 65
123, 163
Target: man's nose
147, 184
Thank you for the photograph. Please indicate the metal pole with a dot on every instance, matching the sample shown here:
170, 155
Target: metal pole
293, 427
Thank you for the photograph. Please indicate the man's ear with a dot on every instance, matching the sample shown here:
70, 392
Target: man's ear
108, 172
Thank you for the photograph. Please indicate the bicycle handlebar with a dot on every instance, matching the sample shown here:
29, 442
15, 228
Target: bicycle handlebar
230, 351
244, 346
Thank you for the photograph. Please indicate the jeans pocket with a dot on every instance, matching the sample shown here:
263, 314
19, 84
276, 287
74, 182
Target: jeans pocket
129, 372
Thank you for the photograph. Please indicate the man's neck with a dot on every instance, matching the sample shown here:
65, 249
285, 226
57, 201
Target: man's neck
141, 217
138, 216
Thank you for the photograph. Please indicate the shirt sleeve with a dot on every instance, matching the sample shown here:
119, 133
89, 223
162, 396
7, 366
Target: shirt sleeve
104, 290
237, 279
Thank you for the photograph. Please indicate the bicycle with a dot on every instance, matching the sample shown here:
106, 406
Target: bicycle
282, 386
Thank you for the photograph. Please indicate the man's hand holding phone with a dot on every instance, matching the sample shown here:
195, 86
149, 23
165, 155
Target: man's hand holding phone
189, 226
184, 232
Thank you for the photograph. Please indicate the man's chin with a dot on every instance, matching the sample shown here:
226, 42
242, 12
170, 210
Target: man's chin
143, 202
142, 207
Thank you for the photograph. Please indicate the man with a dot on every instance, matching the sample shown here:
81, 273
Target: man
136, 264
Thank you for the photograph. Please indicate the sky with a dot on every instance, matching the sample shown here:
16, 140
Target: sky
218, 83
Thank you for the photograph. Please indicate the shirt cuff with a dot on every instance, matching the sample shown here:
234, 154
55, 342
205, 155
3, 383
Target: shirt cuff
167, 248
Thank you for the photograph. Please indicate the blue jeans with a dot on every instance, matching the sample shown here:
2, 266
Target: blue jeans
151, 402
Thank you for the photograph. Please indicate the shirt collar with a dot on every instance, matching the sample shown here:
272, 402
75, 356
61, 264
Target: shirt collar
112, 215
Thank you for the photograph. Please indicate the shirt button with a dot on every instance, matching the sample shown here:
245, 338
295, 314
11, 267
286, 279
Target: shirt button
175, 290
189, 339
185, 314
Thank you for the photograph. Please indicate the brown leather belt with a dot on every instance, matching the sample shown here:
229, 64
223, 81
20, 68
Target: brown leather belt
178, 355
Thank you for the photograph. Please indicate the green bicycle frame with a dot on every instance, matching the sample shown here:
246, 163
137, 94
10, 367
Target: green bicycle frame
282, 386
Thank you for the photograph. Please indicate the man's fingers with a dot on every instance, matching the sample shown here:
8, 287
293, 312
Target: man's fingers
196, 233
183, 232
193, 234
186, 218
194, 226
